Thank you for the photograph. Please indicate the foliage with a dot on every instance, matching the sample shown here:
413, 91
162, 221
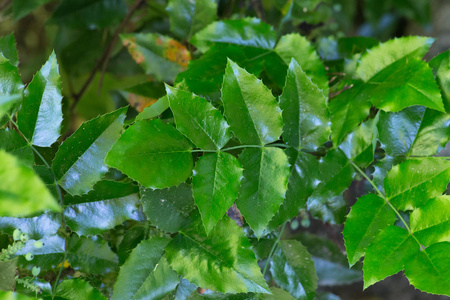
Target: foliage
245, 129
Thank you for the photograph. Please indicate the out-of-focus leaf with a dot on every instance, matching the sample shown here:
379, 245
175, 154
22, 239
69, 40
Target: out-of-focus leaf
7, 274
12, 142
40, 115
74, 289
293, 269
79, 162
97, 212
198, 120
22, 192
8, 47
169, 208
152, 143
90, 14
263, 187
441, 69
348, 46
188, 17
222, 261
158, 55
385, 54
251, 109
250, 32
146, 274
216, 182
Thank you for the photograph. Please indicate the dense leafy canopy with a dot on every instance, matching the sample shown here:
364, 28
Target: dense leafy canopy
222, 130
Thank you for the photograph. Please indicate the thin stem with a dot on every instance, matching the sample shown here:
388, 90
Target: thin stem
59, 273
387, 201
273, 249
240, 147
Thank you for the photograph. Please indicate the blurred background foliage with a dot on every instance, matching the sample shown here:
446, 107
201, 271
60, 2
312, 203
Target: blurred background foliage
101, 71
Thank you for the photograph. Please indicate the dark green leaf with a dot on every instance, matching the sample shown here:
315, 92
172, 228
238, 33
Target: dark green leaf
74, 289
388, 254
293, 269
412, 183
40, 115
8, 47
94, 215
385, 54
6, 102
198, 120
251, 109
430, 223
79, 162
89, 14
366, 219
10, 81
222, 261
298, 47
12, 142
250, 32
434, 261
23, 8
216, 182
305, 114
7, 274
348, 46
441, 69
266, 175
21, 191
146, 273
188, 17
169, 208
154, 110
152, 143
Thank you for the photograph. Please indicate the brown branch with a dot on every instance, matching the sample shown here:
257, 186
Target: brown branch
105, 56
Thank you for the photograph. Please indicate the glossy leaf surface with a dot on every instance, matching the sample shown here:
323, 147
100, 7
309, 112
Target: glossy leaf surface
40, 116
156, 144
73, 289
154, 110
441, 70
305, 113
22, 192
412, 183
168, 209
215, 183
293, 269
430, 223
263, 187
366, 219
79, 162
223, 261
250, 107
197, 119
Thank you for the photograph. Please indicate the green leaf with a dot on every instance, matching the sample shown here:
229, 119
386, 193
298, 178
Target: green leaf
73, 289
430, 223
222, 261
146, 273
14, 296
168, 209
441, 70
250, 32
154, 110
348, 46
7, 275
10, 81
415, 131
21, 191
40, 115
159, 55
216, 182
335, 175
359, 145
293, 269
366, 219
299, 48
91, 255
385, 54
6, 102
8, 48
89, 14
23, 8
79, 162
410, 184
392, 250
347, 110
305, 114
434, 261
94, 216
263, 187
278, 294
152, 143
407, 82
188, 17
13, 143
251, 109
198, 120
302, 182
